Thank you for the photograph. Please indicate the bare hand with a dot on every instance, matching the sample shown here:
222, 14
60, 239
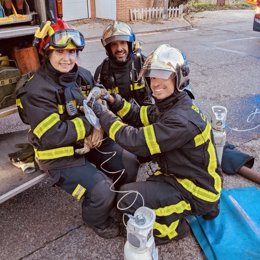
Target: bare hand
96, 137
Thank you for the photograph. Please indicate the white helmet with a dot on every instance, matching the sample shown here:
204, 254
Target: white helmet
166, 62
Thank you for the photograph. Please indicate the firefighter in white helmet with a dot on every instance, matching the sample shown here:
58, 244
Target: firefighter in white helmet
176, 135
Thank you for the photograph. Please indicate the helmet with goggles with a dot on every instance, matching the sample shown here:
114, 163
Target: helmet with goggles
59, 36
118, 31
167, 62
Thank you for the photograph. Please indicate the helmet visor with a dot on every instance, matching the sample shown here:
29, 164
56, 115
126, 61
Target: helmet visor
156, 73
61, 39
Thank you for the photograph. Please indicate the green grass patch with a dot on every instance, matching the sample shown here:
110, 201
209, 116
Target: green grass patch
200, 7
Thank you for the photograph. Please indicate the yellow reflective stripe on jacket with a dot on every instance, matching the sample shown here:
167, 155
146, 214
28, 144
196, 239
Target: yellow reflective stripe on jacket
54, 153
178, 208
189, 185
198, 191
136, 86
114, 90
78, 192
157, 173
165, 230
150, 139
80, 128
46, 124
61, 109
212, 167
203, 137
19, 103
114, 129
125, 109
144, 115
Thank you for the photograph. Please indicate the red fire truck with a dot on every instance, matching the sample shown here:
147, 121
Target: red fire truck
256, 22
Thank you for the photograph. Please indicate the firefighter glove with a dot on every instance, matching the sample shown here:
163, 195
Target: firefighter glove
25, 154
99, 107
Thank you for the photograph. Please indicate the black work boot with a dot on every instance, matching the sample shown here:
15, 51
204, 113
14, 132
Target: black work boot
212, 214
109, 230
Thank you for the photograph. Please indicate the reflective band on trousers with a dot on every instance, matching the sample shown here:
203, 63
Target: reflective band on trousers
114, 128
178, 208
125, 109
167, 231
54, 153
197, 191
136, 86
46, 124
144, 115
80, 128
150, 139
78, 192
19, 103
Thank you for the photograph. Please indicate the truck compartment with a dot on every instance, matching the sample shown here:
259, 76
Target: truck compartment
12, 179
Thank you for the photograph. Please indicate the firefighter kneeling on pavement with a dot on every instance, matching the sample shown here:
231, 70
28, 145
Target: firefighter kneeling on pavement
49, 103
176, 135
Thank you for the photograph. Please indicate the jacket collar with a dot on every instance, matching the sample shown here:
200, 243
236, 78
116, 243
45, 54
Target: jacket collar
169, 102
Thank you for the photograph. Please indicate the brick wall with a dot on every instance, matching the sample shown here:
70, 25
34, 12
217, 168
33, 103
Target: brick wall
123, 7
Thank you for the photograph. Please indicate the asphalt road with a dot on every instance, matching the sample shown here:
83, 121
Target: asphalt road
224, 57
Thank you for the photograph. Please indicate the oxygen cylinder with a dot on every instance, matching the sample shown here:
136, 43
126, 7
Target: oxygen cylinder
218, 122
140, 241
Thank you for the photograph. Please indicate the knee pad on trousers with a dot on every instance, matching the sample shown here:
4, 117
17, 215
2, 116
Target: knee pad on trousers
96, 209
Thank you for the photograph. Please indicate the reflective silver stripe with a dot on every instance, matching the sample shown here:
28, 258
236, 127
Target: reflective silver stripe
80, 128
46, 124
150, 139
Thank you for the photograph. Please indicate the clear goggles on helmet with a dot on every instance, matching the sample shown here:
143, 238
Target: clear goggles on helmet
156, 73
63, 38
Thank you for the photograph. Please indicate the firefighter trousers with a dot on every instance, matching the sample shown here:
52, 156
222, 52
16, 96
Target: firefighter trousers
168, 203
94, 180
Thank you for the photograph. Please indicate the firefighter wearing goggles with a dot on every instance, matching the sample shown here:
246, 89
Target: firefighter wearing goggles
119, 71
49, 102
176, 135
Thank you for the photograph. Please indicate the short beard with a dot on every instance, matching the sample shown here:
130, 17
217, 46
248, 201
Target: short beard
121, 60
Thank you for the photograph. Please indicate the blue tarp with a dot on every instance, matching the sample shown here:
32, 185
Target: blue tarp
235, 232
